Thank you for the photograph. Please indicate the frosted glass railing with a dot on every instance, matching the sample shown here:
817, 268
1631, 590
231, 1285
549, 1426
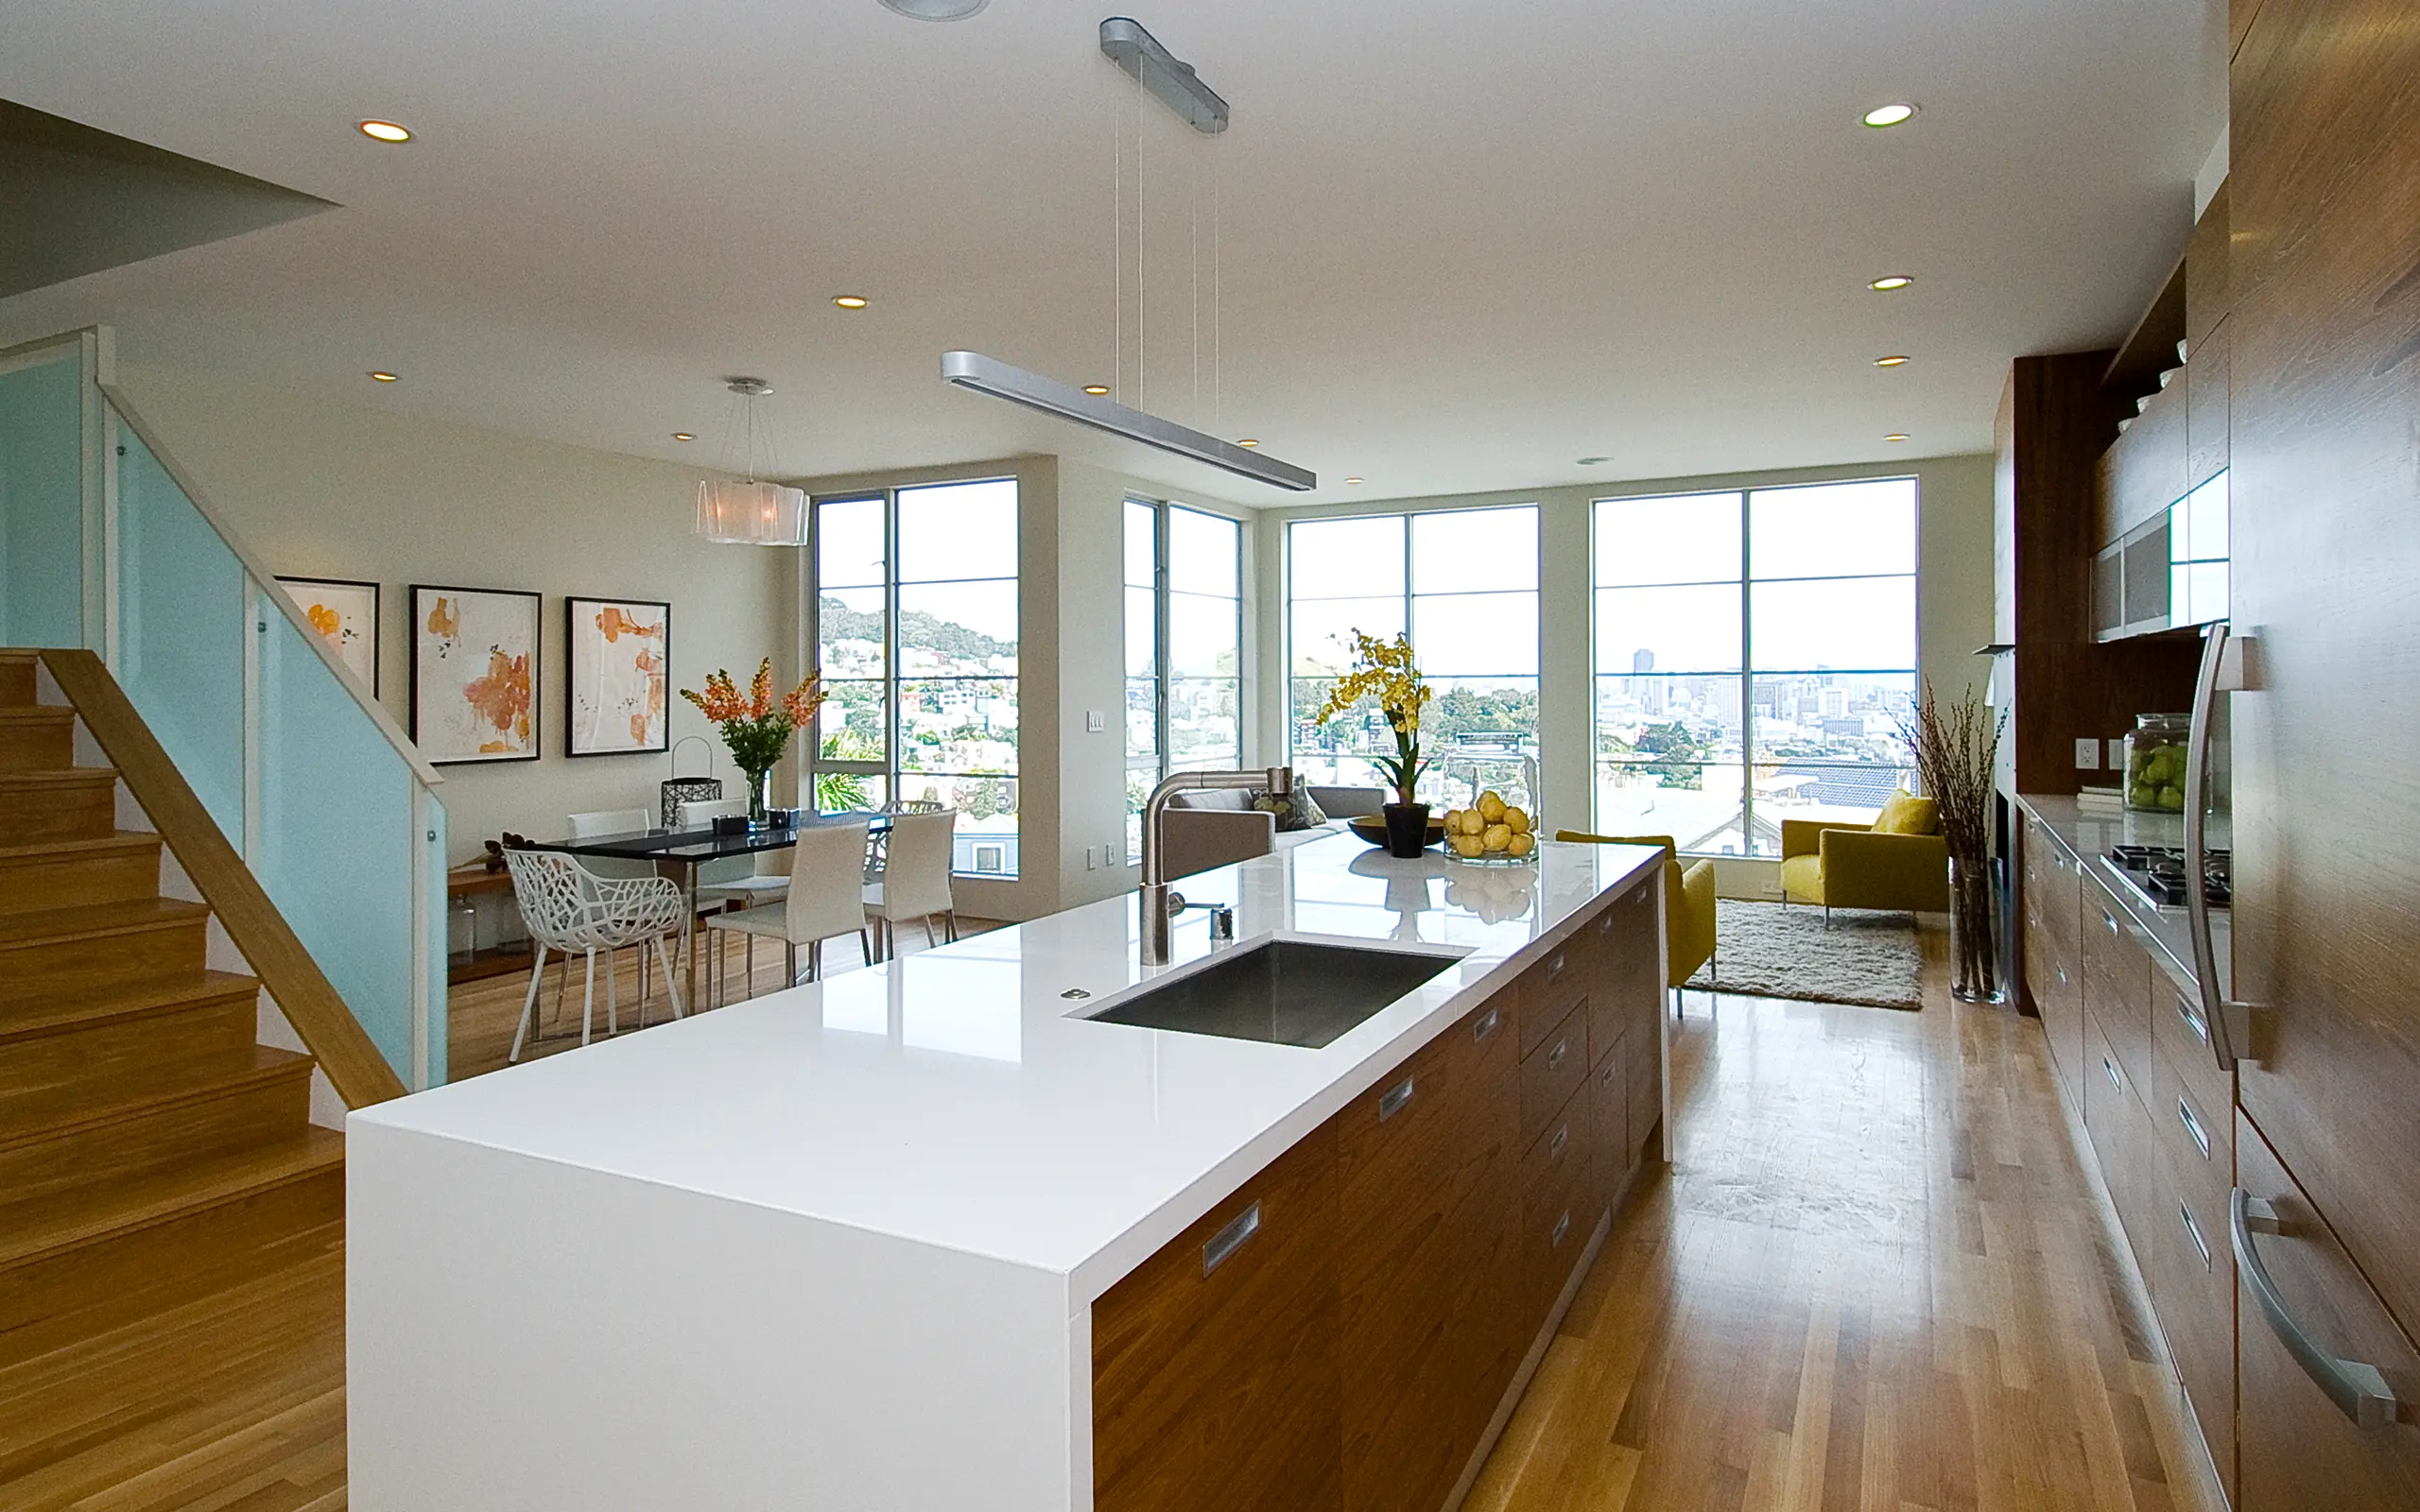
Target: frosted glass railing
328, 803
42, 460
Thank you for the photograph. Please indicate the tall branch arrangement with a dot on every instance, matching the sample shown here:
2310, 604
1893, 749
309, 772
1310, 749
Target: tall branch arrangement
1386, 669
1957, 751
755, 728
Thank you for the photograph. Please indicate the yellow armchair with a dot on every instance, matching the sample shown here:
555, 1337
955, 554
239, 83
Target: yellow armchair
1836, 866
1688, 902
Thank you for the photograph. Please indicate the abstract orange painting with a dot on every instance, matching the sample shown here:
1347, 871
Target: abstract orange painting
620, 656
344, 615
474, 674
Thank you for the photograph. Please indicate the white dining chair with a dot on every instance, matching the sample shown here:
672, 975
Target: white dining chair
826, 865
914, 880
746, 879
570, 908
599, 823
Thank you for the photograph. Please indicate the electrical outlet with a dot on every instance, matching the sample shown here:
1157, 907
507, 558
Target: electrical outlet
1095, 721
1092, 858
2116, 762
2088, 754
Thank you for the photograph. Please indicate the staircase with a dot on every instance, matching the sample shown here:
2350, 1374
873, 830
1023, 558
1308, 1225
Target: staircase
151, 1152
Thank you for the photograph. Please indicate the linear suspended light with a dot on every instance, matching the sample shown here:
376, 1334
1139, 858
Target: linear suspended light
978, 374
1125, 43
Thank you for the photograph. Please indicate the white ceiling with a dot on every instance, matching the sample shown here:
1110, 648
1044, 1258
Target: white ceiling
1466, 242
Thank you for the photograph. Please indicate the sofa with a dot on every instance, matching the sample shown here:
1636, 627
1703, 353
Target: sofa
1217, 826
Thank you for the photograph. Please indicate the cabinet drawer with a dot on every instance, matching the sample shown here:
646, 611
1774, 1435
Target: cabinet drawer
2190, 1274
1551, 988
2122, 1137
1643, 1067
2293, 1438
1609, 1113
2117, 982
1626, 983
1215, 1368
2197, 1139
2180, 1033
1559, 1206
1552, 1072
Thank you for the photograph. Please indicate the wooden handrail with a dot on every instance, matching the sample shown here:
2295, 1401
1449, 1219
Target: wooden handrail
310, 1002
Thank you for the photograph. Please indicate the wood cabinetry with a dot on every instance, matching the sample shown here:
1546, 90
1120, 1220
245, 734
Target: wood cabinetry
1340, 1332
2053, 960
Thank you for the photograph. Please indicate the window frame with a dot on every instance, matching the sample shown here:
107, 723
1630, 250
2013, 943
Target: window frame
887, 767
1748, 673
1163, 652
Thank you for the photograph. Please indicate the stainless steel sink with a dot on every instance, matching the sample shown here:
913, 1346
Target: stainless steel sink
1279, 991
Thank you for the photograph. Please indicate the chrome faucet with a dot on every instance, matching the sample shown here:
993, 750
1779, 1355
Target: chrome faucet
1158, 902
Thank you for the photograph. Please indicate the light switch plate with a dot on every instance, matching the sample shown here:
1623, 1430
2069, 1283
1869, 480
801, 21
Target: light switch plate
1095, 721
2088, 754
2116, 762
1092, 858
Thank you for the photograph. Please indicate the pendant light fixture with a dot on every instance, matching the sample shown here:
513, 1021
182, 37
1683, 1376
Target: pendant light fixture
745, 510
1177, 85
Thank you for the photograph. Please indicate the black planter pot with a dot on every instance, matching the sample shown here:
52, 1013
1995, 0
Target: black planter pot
1406, 828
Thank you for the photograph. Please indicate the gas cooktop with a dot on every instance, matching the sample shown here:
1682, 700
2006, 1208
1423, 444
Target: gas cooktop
2156, 874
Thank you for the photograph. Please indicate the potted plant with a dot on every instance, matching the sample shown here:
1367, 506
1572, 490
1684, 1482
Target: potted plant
1956, 750
1384, 669
757, 730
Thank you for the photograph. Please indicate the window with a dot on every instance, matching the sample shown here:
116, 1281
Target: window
1756, 654
1465, 582
1183, 648
916, 634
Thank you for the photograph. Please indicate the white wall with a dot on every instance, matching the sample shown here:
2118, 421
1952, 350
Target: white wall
1953, 604
324, 488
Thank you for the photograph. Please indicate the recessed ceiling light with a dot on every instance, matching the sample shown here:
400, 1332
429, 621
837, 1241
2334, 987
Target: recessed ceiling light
384, 131
683, 436
936, 10
1352, 480
1247, 441
850, 302
1890, 282
1882, 115
1890, 362
1095, 389
1593, 461
1896, 436
384, 377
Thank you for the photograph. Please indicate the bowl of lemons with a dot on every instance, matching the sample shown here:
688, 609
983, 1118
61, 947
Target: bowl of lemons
1491, 830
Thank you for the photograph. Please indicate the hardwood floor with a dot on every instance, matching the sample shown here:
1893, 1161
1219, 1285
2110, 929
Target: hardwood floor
1876, 1277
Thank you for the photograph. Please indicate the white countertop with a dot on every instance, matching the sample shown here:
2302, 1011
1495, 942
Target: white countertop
954, 1097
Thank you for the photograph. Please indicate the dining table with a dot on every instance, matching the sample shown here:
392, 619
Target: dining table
681, 854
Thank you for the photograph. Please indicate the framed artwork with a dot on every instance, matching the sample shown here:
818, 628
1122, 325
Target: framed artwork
344, 614
620, 661
474, 674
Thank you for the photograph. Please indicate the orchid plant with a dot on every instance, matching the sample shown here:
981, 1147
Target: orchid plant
1385, 669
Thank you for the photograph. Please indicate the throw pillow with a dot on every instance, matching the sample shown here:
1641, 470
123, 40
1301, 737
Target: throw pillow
1298, 812
1906, 813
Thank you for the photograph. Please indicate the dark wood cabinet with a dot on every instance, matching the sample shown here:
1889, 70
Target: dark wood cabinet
2053, 962
1216, 1375
2205, 415
1340, 1332
2118, 981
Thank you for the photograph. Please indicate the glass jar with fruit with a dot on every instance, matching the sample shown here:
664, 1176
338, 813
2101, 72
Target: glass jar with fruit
1491, 830
2155, 763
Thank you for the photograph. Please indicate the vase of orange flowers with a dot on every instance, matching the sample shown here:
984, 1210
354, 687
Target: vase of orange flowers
756, 729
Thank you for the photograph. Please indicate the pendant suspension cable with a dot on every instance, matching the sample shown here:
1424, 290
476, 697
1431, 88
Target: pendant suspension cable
1118, 246
1193, 306
1218, 386
1142, 245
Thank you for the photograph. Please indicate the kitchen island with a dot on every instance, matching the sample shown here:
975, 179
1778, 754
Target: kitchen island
929, 1236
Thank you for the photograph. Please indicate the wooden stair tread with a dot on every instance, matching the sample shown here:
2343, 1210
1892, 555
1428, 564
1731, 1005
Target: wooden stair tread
73, 1008
64, 1107
84, 844
52, 1224
88, 919
63, 777
35, 713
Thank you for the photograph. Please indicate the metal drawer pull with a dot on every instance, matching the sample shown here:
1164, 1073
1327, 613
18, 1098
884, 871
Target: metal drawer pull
2357, 1388
1391, 1104
1562, 1227
2193, 1232
1554, 967
2109, 919
2111, 1067
1562, 1048
2194, 1021
1487, 1023
1554, 1145
2193, 1127
1230, 1239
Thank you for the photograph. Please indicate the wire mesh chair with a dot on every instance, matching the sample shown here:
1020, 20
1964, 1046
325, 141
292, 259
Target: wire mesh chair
569, 908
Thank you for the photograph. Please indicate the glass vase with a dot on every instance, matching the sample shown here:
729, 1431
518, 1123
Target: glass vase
760, 797
1973, 963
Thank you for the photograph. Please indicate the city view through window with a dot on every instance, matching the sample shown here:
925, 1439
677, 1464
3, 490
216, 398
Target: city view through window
916, 634
1465, 582
1183, 649
1755, 658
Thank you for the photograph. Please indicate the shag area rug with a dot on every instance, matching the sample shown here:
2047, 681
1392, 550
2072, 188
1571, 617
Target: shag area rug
1766, 951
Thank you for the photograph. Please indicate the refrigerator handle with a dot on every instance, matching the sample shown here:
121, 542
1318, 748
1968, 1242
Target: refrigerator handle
2221, 670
